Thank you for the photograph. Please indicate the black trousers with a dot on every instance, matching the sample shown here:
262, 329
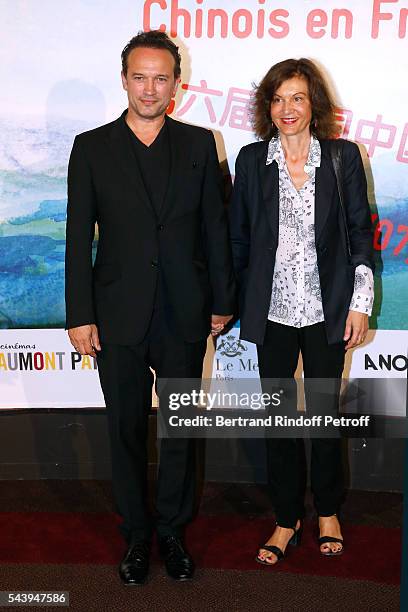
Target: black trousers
278, 358
126, 381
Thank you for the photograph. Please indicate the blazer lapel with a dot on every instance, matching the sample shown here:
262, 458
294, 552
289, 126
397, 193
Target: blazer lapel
179, 160
269, 179
121, 148
324, 189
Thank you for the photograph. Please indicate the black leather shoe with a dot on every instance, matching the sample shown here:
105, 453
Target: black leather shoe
134, 567
179, 564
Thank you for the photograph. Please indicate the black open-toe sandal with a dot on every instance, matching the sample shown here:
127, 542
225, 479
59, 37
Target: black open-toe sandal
326, 540
294, 541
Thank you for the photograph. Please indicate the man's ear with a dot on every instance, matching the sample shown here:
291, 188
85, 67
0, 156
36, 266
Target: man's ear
124, 81
176, 84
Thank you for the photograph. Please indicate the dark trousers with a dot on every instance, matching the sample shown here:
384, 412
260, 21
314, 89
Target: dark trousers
278, 358
126, 381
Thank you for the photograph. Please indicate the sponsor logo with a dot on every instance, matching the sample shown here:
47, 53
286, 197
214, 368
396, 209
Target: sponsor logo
386, 362
231, 347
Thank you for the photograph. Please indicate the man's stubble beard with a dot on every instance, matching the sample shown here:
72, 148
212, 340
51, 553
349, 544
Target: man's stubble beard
161, 110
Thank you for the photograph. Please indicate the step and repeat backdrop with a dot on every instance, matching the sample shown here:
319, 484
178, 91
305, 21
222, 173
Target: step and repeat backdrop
60, 75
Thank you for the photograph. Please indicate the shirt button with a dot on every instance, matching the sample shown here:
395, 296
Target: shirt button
154, 263
160, 228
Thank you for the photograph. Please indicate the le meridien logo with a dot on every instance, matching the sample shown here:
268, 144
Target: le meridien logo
386, 362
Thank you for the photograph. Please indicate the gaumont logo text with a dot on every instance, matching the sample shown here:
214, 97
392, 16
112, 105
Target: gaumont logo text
50, 360
175, 17
386, 362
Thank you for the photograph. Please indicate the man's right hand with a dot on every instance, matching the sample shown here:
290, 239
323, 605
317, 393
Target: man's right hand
85, 339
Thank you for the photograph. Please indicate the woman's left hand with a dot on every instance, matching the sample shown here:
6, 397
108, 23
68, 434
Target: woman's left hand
356, 329
218, 322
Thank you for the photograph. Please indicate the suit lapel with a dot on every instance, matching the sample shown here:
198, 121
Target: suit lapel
179, 160
269, 178
121, 148
324, 191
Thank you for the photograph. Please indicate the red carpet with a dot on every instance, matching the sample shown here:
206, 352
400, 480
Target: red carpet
222, 541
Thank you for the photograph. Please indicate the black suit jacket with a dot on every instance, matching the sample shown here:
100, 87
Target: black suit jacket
187, 243
254, 221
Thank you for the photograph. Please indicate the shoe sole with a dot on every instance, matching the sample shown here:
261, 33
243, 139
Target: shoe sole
133, 584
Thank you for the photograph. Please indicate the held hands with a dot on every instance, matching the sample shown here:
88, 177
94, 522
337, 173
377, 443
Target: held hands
218, 322
85, 339
356, 329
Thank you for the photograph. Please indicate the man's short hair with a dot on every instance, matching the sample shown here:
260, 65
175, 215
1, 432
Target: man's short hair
152, 40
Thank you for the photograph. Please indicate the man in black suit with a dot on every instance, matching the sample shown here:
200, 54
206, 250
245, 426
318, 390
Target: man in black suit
162, 278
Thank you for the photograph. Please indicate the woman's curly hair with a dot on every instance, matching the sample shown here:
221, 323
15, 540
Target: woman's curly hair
323, 124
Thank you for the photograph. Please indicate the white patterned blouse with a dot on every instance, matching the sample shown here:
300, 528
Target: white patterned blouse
296, 297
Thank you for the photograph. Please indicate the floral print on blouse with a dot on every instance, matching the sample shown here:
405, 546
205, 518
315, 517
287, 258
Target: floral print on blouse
296, 297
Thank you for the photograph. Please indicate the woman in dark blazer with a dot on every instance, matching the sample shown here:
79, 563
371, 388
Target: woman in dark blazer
305, 271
